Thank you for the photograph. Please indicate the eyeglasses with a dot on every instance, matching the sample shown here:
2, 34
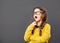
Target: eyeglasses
38, 12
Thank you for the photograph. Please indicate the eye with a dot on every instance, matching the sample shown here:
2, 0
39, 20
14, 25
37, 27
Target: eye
37, 12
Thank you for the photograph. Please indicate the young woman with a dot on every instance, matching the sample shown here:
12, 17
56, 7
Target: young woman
39, 31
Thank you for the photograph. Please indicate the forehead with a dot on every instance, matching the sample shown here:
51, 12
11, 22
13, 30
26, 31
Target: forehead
37, 9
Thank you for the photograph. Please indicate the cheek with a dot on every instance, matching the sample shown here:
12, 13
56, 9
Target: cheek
39, 16
34, 16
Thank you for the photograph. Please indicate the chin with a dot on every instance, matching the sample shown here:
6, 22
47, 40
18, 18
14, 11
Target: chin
37, 20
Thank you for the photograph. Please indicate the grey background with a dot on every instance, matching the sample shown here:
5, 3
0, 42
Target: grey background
16, 15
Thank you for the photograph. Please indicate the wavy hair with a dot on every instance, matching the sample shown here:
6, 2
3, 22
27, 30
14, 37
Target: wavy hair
44, 19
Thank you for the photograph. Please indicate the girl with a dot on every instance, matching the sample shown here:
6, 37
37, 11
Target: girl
39, 30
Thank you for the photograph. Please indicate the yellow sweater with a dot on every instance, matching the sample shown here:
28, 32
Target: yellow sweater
36, 38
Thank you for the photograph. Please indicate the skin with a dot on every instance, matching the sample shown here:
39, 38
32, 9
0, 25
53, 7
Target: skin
37, 16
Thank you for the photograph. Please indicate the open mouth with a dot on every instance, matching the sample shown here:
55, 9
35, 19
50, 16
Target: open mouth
35, 16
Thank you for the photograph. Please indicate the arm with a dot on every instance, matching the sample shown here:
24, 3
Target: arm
28, 32
45, 36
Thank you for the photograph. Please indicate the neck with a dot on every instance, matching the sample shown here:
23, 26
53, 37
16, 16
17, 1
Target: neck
39, 23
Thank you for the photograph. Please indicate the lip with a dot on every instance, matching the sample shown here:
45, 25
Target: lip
36, 17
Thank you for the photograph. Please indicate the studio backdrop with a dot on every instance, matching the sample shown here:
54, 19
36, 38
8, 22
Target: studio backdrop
16, 15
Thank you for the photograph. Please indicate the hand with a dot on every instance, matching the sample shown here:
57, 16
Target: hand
34, 23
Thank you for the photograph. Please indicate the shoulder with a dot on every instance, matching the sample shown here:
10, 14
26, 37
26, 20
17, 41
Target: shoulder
47, 25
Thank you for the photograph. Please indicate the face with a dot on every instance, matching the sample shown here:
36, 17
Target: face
37, 15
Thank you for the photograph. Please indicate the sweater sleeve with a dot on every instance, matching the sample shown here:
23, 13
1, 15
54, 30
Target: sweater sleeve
28, 32
45, 36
